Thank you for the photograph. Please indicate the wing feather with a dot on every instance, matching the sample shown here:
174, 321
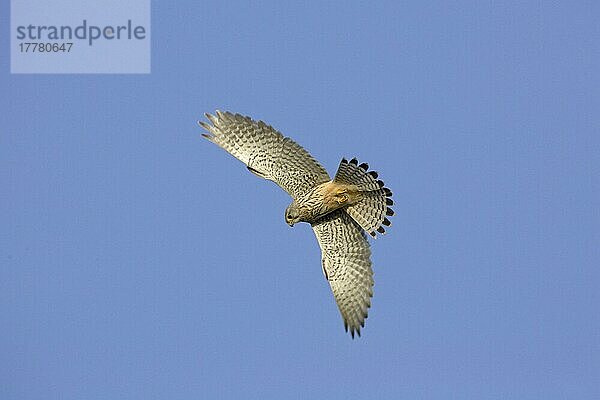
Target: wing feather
347, 266
265, 151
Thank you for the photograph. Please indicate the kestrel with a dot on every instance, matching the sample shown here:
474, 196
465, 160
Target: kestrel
340, 211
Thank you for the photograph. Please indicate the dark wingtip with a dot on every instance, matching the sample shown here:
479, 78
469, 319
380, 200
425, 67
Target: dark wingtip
386, 222
389, 212
389, 201
354, 161
344, 161
364, 166
204, 125
374, 174
388, 192
380, 183
381, 230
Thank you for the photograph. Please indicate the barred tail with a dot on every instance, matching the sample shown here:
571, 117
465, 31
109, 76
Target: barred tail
372, 209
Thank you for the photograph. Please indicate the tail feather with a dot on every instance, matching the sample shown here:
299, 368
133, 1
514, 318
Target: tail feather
372, 209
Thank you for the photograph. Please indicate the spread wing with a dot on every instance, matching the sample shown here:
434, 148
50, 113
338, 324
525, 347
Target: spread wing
347, 266
266, 152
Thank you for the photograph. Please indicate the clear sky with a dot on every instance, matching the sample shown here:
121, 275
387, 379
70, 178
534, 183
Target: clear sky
140, 261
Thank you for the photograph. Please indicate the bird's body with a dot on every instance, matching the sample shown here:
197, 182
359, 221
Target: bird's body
339, 210
323, 199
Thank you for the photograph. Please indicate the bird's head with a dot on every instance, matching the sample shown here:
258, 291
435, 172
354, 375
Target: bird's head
292, 214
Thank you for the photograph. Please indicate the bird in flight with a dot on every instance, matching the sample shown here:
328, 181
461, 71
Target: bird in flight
340, 210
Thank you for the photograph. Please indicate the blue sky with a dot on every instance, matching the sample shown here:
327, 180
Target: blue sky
139, 261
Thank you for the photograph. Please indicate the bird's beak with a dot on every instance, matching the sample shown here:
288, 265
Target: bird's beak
291, 224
